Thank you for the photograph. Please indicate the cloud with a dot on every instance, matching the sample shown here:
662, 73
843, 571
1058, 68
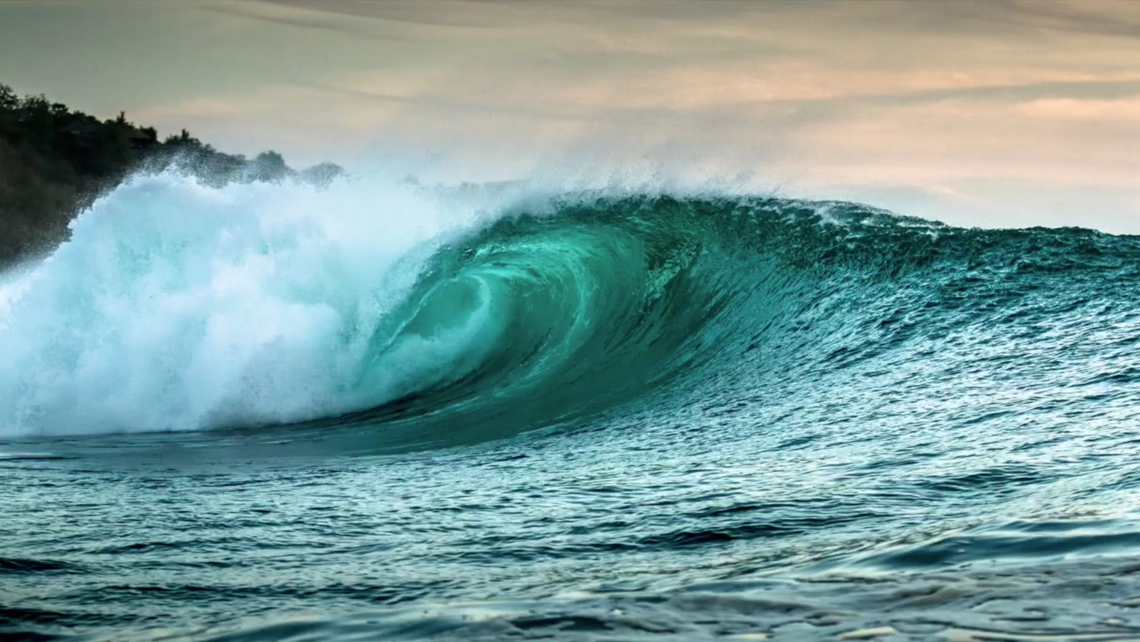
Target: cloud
1099, 111
918, 102
1101, 17
301, 17
1090, 17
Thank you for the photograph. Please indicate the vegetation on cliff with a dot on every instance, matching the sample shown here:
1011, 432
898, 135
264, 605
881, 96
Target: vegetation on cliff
54, 162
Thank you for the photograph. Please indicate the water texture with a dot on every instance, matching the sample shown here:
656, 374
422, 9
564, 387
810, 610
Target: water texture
382, 411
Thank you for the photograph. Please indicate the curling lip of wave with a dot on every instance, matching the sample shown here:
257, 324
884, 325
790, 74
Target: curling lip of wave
179, 306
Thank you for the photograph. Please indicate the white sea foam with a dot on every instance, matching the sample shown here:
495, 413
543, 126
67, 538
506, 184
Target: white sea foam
179, 306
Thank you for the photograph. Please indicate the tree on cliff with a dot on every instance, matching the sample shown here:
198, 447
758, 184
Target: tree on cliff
54, 162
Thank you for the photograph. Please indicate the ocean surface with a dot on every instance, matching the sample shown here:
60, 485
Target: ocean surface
386, 411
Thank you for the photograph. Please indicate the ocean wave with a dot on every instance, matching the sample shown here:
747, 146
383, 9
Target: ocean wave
426, 315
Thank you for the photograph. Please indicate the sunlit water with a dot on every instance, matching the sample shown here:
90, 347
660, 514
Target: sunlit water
272, 412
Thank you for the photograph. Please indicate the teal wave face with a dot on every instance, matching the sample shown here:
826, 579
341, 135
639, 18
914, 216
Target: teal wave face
654, 304
554, 317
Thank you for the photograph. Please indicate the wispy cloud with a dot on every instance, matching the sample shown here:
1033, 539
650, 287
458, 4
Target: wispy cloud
302, 17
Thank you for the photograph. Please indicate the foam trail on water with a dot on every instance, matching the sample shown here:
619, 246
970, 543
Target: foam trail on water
179, 306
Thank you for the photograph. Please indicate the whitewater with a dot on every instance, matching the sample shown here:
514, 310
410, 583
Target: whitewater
629, 410
178, 307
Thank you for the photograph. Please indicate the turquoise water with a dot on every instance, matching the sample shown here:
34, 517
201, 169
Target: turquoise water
272, 412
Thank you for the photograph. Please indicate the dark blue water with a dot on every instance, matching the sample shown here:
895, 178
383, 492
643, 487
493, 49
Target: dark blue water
584, 416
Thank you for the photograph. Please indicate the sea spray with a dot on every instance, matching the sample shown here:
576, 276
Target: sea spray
176, 305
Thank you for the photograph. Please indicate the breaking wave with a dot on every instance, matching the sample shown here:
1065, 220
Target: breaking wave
485, 311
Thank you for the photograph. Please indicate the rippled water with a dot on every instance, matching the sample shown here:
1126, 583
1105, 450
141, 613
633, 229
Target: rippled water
264, 412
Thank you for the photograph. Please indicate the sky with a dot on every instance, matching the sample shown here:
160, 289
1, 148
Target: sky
992, 113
